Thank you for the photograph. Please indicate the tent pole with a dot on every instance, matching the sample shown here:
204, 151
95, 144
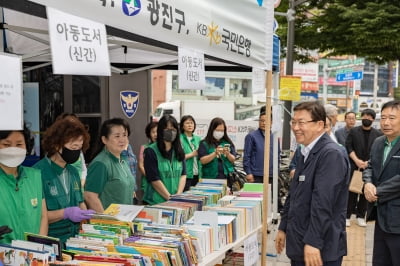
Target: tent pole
36, 67
268, 86
152, 66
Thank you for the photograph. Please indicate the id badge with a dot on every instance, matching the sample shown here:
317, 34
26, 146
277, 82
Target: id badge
302, 178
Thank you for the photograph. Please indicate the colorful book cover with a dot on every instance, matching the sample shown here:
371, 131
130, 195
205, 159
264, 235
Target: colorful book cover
11, 256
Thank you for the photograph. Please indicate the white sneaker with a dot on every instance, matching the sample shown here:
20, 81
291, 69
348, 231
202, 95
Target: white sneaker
361, 222
348, 223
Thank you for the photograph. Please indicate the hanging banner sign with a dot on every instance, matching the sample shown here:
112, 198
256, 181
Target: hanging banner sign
192, 74
251, 254
11, 105
78, 45
290, 88
233, 30
307, 72
258, 79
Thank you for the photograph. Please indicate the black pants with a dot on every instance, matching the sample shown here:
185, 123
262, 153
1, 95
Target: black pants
356, 203
191, 182
386, 248
260, 179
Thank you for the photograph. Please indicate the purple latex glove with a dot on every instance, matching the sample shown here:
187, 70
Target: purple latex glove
76, 214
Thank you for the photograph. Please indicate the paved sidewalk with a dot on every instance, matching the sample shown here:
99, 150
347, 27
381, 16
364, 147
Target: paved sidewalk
359, 248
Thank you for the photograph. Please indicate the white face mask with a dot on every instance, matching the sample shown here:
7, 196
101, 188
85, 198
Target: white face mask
12, 156
218, 134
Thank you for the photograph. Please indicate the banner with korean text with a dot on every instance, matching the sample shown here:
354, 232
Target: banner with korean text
192, 74
78, 45
11, 116
239, 31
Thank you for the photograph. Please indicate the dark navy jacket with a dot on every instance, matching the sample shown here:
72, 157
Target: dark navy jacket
253, 154
315, 210
386, 178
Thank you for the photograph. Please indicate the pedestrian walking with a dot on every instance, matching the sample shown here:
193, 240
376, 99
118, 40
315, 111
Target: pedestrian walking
358, 145
313, 219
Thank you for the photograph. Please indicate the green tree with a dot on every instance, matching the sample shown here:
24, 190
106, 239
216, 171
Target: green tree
366, 28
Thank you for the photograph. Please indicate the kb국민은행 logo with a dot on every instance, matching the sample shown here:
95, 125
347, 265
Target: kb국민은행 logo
131, 7
129, 102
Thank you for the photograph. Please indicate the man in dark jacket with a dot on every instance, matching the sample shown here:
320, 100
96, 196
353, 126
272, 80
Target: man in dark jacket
313, 218
341, 133
253, 155
382, 187
358, 145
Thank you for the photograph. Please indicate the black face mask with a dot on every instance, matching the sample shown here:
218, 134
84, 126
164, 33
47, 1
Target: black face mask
366, 122
169, 135
70, 156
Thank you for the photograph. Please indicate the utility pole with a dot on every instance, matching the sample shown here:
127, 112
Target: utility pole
289, 72
290, 16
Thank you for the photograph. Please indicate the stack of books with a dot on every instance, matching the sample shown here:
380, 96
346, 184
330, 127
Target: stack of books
35, 250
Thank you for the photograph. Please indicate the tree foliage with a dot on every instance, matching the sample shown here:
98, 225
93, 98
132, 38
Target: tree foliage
366, 28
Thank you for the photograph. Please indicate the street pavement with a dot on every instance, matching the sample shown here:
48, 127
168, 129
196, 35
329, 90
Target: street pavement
359, 248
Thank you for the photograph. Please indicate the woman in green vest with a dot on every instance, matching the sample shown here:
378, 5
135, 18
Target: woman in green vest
62, 143
22, 207
151, 134
190, 144
216, 151
164, 163
109, 179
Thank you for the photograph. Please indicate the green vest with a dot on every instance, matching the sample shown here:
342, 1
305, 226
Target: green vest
20, 203
210, 170
144, 179
56, 197
170, 175
188, 147
111, 178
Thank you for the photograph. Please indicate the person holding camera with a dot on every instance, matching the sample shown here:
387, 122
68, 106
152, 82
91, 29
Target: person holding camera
217, 151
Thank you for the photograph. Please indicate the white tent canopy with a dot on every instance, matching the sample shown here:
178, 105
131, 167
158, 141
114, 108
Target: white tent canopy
27, 35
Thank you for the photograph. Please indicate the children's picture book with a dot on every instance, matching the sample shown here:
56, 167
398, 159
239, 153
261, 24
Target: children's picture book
51, 244
10, 255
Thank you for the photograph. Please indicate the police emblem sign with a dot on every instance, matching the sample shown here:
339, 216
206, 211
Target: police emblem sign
129, 102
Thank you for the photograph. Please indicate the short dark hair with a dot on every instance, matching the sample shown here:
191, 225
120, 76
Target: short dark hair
391, 104
315, 108
149, 127
183, 119
347, 113
369, 112
105, 131
29, 139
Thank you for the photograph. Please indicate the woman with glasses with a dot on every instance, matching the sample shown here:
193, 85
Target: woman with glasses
164, 163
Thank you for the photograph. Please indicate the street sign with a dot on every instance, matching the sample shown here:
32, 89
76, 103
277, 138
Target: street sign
337, 63
357, 75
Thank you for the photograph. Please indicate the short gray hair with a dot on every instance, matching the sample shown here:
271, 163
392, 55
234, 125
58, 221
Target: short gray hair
330, 109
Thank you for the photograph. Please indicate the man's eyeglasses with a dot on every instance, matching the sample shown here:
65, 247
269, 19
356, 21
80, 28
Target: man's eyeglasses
300, 123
